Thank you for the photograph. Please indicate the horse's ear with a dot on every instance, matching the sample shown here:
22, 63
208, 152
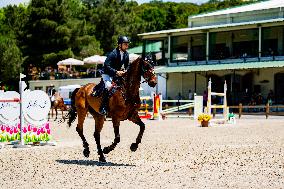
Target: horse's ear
154, 59
151, 58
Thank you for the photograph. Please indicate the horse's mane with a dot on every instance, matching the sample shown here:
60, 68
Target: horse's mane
132, 82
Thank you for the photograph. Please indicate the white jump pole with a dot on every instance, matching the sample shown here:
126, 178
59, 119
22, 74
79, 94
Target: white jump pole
209, 97
225, 110
160, 108
21, 89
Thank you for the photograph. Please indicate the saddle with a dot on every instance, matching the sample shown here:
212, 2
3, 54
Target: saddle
99, 90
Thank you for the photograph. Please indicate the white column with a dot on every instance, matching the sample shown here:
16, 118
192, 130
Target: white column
181, 86
169, 49
280, 41
259, 41
188, 49
207, 46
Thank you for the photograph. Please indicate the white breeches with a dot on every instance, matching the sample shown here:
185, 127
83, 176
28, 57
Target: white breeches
107, 79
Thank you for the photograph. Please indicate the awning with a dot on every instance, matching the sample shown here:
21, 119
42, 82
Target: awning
96, 59
216, 67
182, 31
71, 62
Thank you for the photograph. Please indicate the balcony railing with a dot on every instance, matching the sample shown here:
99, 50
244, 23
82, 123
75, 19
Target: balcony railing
227, 61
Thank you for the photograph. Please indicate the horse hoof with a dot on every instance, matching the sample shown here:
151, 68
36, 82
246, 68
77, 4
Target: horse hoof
102, 159
86, 153
106, 150
133, 147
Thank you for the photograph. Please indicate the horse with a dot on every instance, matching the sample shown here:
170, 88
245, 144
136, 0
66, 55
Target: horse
58, 103
123, 104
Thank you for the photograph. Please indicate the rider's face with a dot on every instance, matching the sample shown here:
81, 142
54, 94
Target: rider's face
124, 46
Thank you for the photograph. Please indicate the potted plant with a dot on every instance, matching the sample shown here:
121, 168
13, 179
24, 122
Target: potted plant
204, 119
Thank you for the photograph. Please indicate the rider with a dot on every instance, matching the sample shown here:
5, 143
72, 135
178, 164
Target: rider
54, 96
115, 61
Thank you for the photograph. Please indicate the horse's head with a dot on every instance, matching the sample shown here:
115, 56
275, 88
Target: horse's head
148, 73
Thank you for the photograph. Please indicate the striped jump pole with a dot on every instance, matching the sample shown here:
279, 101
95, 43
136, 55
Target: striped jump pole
10, 100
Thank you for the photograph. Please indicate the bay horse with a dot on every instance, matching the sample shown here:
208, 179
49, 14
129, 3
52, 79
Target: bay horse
58, 103
123, 104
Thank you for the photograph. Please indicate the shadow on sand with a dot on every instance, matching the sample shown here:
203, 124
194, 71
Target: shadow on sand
93, 163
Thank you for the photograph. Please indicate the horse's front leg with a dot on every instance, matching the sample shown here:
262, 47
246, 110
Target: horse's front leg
81, 118
99, 125
111, 147
136, 119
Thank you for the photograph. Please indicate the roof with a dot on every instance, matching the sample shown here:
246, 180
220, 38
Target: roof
215, 67
212, 27
246, 8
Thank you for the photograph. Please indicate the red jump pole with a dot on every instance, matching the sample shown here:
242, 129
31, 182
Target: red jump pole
10, 100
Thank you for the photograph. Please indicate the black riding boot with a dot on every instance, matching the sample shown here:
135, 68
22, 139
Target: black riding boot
103, 108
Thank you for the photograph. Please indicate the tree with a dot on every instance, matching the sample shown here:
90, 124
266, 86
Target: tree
56, 30
10, 54
10, 60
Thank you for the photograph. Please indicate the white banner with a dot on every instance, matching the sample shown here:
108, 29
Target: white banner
36, 105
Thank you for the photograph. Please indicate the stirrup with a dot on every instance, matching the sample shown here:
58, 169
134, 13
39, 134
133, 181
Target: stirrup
94, 94
103, 111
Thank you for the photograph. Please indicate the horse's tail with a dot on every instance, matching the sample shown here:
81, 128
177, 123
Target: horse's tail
72, 114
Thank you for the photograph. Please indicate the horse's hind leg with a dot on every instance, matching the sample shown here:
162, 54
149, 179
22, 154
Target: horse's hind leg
49, 114
99, 125
111, 147
55, 113
52, 111
81, 118
136, 119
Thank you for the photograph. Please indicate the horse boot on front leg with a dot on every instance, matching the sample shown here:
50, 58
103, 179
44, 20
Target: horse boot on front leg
103, 108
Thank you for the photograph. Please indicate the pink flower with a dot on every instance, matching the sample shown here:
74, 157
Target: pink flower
2, 128
34, 129
47, 125
38, 132
11, 131
19, 126
15, 130
48, 131
29, 128
7, 129
25, 130
41, 130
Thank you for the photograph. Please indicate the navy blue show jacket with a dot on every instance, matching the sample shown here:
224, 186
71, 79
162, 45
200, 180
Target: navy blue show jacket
114, 63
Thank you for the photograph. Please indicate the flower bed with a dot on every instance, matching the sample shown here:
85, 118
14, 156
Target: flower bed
31, 134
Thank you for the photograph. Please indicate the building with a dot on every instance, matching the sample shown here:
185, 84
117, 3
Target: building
242, 45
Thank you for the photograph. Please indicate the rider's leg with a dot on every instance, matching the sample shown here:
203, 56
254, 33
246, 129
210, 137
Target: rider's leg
108, 84
103, 107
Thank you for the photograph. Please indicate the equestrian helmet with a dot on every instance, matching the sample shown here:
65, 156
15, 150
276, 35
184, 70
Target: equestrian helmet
122, 39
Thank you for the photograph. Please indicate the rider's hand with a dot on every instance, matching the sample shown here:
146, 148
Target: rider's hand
120, 73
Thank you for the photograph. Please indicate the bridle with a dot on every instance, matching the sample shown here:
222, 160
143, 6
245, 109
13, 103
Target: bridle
147, 69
